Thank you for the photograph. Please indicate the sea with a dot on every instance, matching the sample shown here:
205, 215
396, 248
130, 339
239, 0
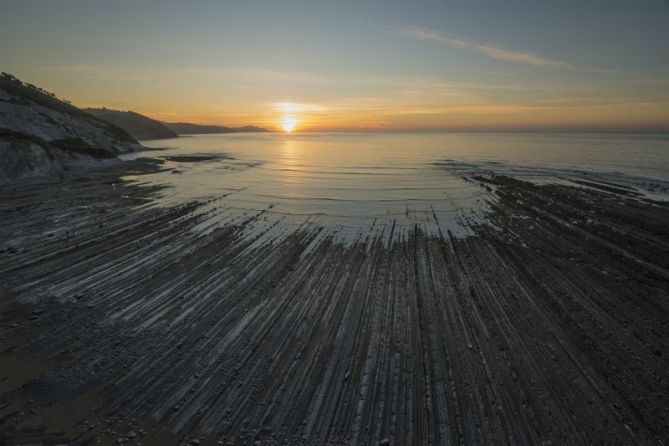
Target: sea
354, 183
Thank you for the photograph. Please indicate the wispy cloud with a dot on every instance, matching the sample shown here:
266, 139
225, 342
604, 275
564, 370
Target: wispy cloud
491, 50
293, 107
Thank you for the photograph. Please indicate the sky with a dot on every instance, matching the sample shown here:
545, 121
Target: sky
328, 65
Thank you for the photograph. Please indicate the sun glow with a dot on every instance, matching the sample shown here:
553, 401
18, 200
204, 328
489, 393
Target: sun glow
288, 123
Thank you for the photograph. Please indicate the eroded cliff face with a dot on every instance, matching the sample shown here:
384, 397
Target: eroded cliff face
23, 157
42, 136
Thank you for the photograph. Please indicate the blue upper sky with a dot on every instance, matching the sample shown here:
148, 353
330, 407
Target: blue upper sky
565, 64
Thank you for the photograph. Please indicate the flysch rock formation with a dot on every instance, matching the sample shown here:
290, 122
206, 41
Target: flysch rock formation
126, 322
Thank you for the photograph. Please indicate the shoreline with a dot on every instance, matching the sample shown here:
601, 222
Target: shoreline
548, 324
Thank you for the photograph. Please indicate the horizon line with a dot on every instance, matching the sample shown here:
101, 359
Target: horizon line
445, 130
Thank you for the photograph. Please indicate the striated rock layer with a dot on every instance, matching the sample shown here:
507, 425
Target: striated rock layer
127, 322
43, 136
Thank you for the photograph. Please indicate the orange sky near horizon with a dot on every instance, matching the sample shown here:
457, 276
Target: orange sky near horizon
598, 101
473, 117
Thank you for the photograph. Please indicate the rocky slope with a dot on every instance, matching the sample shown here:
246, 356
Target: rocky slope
41, 135
138, 126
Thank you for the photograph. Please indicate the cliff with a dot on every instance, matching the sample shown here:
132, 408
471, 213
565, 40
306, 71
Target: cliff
41, 135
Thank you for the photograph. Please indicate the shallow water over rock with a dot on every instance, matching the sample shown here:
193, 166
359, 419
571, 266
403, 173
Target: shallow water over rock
354, 184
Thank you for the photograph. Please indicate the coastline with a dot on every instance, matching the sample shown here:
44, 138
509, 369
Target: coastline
548, 324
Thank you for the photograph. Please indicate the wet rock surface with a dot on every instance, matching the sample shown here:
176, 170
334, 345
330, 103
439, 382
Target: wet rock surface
126, 323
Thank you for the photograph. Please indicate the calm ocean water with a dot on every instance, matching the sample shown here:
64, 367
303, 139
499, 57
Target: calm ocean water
359, 179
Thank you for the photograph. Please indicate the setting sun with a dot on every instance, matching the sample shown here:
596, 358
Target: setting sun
288, 124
